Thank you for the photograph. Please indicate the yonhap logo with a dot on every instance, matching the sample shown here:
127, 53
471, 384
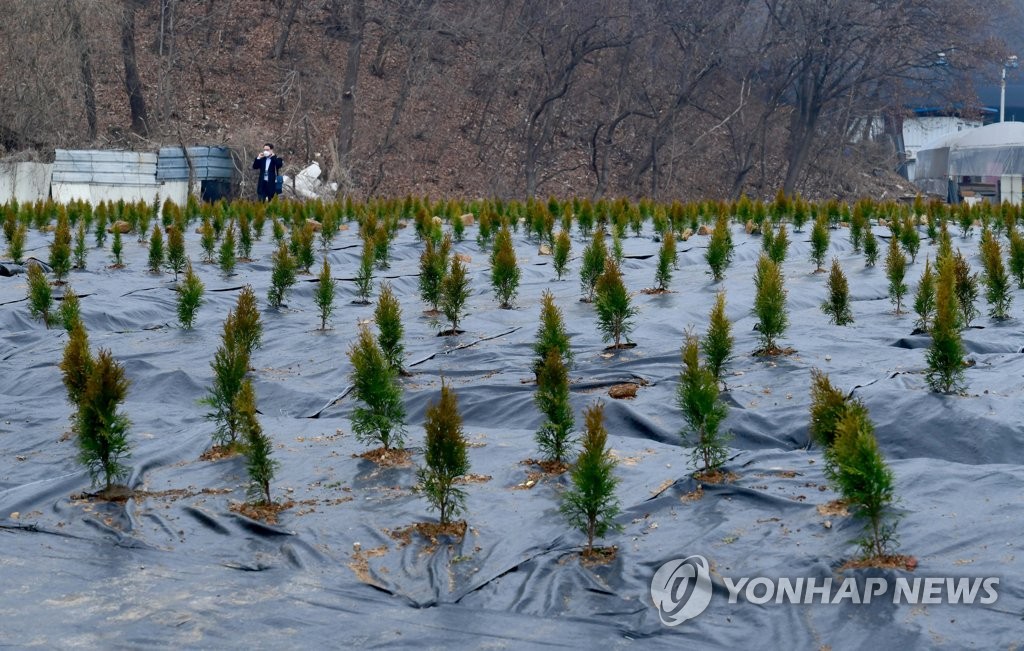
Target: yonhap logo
681, 589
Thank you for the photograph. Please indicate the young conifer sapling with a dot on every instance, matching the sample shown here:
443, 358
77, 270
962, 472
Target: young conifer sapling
446, 457
590, 504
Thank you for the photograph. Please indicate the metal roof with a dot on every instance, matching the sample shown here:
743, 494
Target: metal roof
102, 167
209, 163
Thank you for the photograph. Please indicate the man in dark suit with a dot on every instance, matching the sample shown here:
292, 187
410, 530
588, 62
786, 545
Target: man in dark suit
269, 166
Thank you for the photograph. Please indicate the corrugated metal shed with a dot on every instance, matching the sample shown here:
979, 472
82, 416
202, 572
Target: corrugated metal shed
211, 163
105, 167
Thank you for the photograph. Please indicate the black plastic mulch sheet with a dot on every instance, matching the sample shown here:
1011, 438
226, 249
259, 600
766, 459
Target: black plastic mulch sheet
177, 567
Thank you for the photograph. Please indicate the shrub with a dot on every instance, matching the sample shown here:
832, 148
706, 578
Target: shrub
69, 313
593, 263
190, 297
965, 220
226, 257
40, 296
100, 228
364, 276
16, 244
76, 364
554, 438
102, 429
324, 296
560, 255
305, 254
60, 249
837, 307
230, 363
156, 250
998, 291
857, 223
945, 357
244, 237
870, 248
388, 316
829, 406
1017, 257
966, 289
277, 230
945, 245
719, 253
207, 239
770, 304
445, 456
380, 416
617, 253
924, 299
697, 397
455, 293
614, 310
799, 215
282, 276
819, 242
895, 271
258, 446
433, 269
504, 268
176, 259
865, 482
590, 503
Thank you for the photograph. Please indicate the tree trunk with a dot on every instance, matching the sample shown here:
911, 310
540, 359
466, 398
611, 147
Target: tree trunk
286, 28
133, 85
85, 67
346, 117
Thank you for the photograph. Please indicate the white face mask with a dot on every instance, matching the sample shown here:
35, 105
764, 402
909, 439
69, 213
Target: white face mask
267, 153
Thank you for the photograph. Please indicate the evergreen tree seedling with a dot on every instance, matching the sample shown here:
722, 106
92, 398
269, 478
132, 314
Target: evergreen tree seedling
207, 240
770, 305
226, 256
324, 296
945, 357
258, 446
16, 244
614, 310
910, 239
76, 364
277, 230
247, 329
190, 297
924, 299
617, 253
590, 504
720, 248
40, 295
554, 438
388, 316
703, 411
156, 250
100, 228
592, 266
998, 291
837, 306
60, 250
380, 416
176, 258
117, 250
551, 334
230, 364
244, 237
895, 271
870, 248
433, 269
305, 254
779, 245
560, 255
1017, 257
445, 456
966, 290
866, 483
282, 276
504, 269
454, 294
364, 277
663, 272
819, 243
829, 406
101, 428
718, 341
70, 312
80, 251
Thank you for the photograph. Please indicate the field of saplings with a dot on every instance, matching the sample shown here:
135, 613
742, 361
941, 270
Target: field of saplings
429, 423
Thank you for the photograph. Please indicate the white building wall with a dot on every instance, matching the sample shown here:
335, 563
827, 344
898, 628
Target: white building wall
24, 182
918, 132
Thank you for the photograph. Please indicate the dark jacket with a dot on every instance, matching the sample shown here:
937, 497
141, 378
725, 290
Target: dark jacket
276, 163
